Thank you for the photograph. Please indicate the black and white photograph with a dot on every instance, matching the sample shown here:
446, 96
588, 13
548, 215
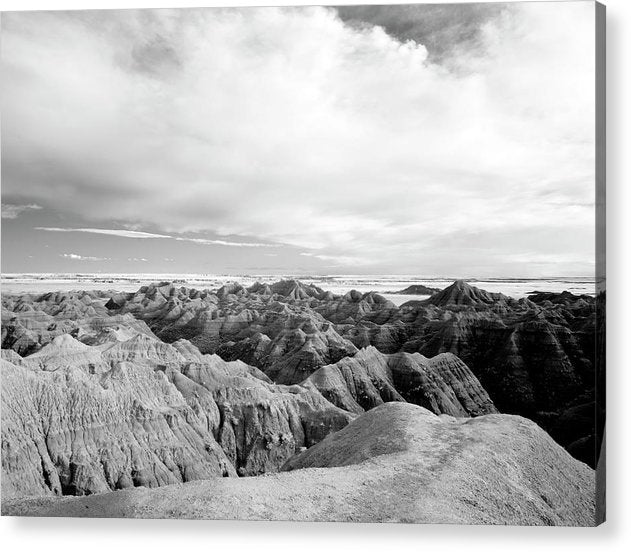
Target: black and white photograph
305, 263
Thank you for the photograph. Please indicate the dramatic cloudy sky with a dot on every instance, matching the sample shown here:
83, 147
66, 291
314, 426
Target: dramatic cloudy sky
440, 140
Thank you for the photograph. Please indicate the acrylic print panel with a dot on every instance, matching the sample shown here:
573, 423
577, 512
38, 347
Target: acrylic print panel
310, 263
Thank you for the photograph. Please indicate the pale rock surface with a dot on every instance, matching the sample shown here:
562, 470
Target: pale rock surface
443, 384
395, 463
81, 419
71, 432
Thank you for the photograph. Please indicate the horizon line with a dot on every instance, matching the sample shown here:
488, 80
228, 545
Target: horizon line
294, 274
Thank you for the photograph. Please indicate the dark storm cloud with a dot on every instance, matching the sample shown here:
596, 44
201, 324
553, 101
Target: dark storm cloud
442, 28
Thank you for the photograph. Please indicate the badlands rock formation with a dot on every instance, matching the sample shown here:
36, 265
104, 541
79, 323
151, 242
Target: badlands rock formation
188, 389
442, 384
534, 357
271, 327
81, 419
31, 321
417, 290
395, 463
462, 294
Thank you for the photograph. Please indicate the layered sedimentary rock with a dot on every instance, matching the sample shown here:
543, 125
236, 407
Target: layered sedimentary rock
271, 327
443, 384
355, 306
260, 425
418, 289
395, 463
72, 432
83, 419
462, 294
292, 347
31, 321
534, 357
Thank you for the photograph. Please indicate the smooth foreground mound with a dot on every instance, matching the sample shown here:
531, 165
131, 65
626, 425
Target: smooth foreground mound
395, 463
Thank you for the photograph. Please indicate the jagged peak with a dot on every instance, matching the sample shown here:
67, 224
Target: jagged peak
233, 288
260, 288
63, 342
296, 289
463, 293
368, 352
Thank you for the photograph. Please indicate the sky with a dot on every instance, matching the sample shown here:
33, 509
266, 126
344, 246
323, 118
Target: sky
436, 140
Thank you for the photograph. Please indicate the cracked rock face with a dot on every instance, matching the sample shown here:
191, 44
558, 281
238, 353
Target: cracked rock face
534, 357
260, 424
105, 390
80, 419
443, 384
72, 432
396, 463
272, 327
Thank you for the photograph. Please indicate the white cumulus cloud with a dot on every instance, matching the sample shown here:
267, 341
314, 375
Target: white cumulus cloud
289, 126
